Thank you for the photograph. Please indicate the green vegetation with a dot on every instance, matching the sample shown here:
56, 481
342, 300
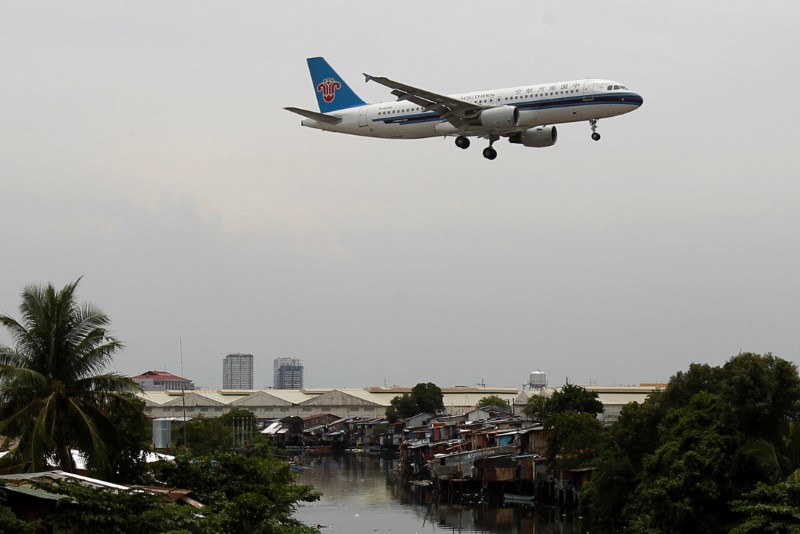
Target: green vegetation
717, 451
205, 435
423, 398
10, 523
114, 512
714, 452
570, 414
570, 398
573, 439
242, 494
52, 397
492, 400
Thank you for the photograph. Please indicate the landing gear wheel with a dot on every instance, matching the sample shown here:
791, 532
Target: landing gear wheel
462, 142
593, 126
489, 153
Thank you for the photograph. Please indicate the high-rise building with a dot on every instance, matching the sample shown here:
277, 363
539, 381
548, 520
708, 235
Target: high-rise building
237, 371
288, 373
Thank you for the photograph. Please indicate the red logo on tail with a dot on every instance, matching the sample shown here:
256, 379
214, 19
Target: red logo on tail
328, 89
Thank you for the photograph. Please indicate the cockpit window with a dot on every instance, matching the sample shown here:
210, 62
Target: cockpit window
623, 87
609, 87
616, 87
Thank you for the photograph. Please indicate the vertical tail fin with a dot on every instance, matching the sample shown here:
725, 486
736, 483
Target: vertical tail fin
332, 92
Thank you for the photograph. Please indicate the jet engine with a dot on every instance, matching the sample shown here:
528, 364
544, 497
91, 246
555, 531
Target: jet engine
538, 137
500, 117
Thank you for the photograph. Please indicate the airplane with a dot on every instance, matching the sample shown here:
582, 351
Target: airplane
526, 115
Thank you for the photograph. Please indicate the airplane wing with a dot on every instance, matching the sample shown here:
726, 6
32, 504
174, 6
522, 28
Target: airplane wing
449, 108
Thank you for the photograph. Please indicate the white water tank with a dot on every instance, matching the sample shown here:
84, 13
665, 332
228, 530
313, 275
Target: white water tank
162, 433
537, 380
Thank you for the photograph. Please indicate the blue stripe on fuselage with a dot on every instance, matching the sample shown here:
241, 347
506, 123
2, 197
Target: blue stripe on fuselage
626, 99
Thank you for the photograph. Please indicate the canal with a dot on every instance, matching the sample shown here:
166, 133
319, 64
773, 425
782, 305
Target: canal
362, 494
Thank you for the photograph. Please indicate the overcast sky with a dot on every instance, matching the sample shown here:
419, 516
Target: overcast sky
143, 146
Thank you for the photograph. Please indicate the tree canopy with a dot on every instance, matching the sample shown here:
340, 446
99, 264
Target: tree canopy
240, 494
698, 455
569, 398
206, 435
424, 397
493, 400
53, 394
245, 494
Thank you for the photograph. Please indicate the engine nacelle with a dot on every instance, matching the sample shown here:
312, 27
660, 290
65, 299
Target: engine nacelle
500, 117
538, 137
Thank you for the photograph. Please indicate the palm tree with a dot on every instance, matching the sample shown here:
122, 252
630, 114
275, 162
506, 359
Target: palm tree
779, 461
537, 408
52, 395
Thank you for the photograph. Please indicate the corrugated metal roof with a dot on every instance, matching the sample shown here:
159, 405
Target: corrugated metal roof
456, 399
260, 398
58, 475
36, 492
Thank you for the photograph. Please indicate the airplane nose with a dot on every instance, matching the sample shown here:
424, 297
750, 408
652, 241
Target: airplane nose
635, 98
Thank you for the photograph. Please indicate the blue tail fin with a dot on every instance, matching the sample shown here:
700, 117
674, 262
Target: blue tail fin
332, 92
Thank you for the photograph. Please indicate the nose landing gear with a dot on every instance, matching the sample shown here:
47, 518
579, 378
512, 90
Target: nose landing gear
593, 126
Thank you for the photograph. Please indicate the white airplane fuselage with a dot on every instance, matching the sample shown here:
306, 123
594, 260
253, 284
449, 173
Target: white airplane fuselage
537, 105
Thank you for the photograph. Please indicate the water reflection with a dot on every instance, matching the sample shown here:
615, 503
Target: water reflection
363, 494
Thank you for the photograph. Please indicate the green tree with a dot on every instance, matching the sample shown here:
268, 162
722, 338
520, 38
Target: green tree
493, 400
52, 397
121, 512
537, 408
573, 440
761, 393
570, 398
618, 464
681, 459
132, 436
769, 509
685, 481
9, 522
206, 435
606, 494
428, 397
246, 494
424, 397
779, 461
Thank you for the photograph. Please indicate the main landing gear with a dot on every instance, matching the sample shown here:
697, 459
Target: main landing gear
489, 152
593, 126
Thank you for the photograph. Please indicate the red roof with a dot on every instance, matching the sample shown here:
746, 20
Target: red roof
162, 375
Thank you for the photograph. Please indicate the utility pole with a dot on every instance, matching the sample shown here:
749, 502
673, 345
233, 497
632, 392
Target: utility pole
183, 394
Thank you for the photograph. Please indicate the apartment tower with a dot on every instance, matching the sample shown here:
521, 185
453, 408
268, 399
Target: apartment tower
288, 373
237, 371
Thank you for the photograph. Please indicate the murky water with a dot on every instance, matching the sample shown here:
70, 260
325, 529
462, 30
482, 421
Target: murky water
361, 494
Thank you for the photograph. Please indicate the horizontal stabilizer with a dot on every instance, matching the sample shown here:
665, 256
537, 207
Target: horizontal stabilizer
321, 117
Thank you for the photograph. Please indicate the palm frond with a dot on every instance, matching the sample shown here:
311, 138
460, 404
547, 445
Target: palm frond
765, 456
94, 446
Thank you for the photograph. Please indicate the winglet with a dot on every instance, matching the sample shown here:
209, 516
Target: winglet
367, 77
